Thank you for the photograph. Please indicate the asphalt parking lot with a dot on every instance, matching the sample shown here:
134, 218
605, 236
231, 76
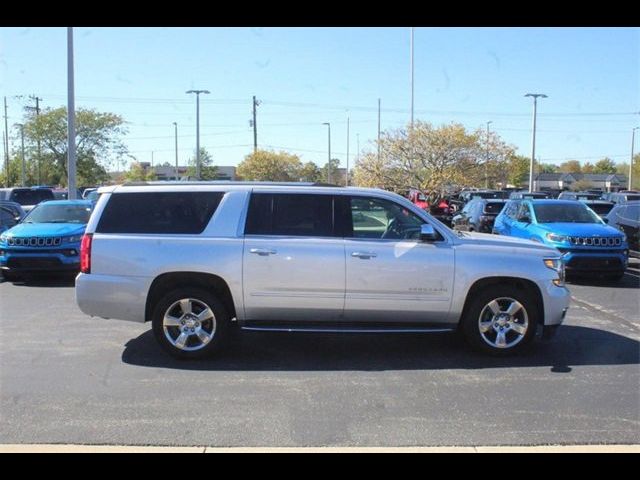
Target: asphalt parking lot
69, 378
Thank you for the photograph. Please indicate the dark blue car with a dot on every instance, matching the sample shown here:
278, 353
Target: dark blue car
46, 240
589, 245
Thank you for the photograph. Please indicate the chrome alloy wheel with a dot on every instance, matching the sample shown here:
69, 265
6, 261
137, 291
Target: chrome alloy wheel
503, 322
189, 324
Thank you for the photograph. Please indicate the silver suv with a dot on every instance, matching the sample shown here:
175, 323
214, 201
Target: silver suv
199, 260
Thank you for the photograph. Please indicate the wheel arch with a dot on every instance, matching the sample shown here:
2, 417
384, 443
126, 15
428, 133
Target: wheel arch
518, 282
169, 281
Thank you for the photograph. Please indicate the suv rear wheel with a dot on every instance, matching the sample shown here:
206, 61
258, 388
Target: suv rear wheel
190, 323
500, 320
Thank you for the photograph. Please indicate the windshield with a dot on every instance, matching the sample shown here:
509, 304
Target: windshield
31, 197
565, 213
59, 214
601, 208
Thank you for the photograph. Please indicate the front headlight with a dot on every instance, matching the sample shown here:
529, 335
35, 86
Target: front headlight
72, 239
557, 265
557, 238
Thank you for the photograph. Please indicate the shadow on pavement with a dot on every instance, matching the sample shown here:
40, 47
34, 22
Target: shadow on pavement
48, 280
630, 280
572, 346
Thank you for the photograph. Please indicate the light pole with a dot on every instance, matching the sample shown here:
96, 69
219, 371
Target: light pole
346, 181
198, 92
71, 120
633, 141
175, 127
533, 141
329, 164
24, 174
486, 162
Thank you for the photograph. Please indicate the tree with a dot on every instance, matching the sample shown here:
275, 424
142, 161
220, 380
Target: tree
623, 169
310, 173
98, 143
519, 167
570, 166
606, 165
337, 177
429, 158
208, 171
268, 165
588, 168
547, 168
138, 173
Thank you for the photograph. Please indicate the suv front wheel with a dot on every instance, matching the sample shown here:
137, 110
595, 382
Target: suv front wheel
500, 320
190, 323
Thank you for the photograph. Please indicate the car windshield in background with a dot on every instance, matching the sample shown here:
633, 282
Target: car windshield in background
564, 213
493, 207
632, 212
632, 198
600, 208
31, 197
59, 214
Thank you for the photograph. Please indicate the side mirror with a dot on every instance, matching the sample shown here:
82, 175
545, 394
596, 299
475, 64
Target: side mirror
427, 233
605, 219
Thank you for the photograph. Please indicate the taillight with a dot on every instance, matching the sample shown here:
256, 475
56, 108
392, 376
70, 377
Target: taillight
85, 253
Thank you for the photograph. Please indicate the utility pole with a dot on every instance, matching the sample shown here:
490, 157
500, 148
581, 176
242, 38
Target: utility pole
346, 181
378, 130
6, 142
71, 119
37, 110
533, 137
255, 125
24, 173
486, 162
412, 78
633, 138
175, 125
329, 164
198, 92
6, 165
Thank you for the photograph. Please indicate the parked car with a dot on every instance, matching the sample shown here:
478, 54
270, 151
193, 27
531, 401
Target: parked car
478, 215
46, 240
626, 218
589, 245
15, 208
28, 197
624, 197
566, 195
197, 259
8, 218
526, 194
601, 207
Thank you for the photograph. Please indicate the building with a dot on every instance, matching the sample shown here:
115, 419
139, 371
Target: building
607, 182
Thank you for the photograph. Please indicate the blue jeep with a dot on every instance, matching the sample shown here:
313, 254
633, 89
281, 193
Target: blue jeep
589, 246
46, 240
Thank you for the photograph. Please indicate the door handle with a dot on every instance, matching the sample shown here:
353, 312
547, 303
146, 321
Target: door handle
263, 251
364, 255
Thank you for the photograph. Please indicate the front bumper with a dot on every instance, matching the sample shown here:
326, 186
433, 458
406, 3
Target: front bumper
586, 262
53, 260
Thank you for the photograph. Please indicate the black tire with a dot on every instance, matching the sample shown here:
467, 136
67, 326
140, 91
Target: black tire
11, 276
217, 327
525, 319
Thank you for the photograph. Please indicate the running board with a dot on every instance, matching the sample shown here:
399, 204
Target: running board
350, 329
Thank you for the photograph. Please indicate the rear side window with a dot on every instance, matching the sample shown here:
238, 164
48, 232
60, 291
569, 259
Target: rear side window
159, 212
31, 197
301, 215
493, 207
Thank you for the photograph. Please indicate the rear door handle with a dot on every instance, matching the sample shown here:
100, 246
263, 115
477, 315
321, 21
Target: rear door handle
364, 255
263, 251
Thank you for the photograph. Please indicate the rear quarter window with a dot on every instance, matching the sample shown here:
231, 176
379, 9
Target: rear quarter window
159, 212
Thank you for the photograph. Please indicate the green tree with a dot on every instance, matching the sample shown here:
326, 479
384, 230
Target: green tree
588, 168
99, 142
337, 177
310, 173
606, 165
519, 167
570, 166
547, 168
429, 158
208, 171
138, 173
623, 169
267, 165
